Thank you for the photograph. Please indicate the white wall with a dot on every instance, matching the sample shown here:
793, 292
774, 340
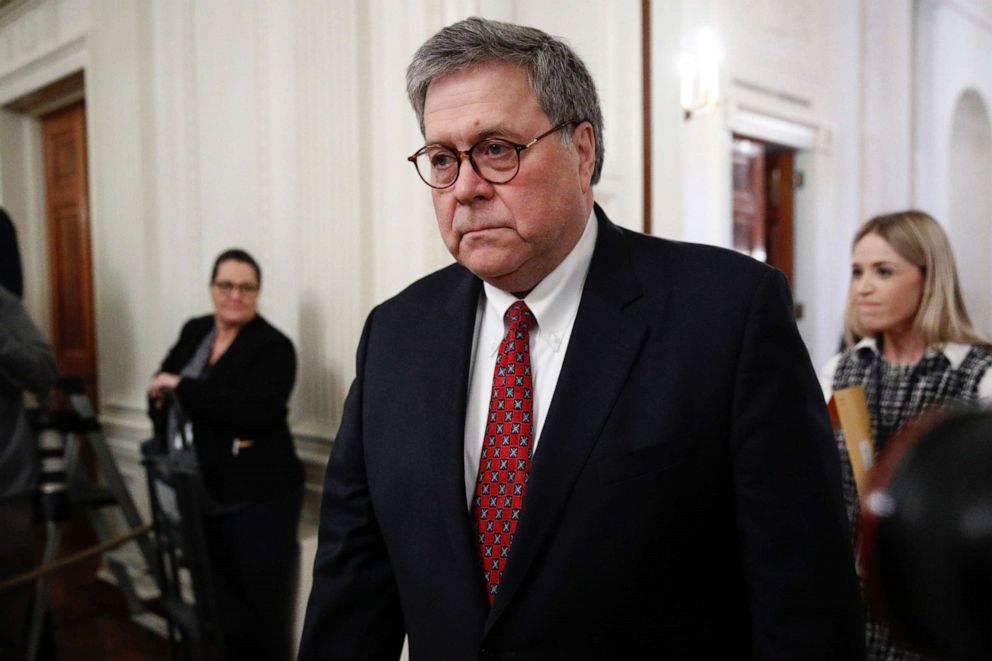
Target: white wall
886, 107
866, 90
970, 205
953, 55
954, 87
789, 74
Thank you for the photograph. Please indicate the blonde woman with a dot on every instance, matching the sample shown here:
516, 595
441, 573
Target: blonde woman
909, 342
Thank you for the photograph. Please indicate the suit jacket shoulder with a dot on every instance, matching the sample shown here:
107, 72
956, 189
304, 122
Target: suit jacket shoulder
433, 291
694, 264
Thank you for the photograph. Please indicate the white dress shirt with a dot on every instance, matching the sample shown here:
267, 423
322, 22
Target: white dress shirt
554, 303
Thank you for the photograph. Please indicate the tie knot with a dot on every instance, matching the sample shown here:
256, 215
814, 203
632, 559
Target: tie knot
519, 316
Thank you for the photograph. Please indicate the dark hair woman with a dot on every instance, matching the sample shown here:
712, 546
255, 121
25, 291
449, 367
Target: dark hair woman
232, 373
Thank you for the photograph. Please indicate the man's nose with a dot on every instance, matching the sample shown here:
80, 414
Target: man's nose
470, 187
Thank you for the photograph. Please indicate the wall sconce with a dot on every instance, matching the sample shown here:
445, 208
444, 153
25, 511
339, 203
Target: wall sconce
699, 71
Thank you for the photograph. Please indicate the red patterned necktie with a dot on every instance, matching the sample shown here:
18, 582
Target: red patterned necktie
506, 449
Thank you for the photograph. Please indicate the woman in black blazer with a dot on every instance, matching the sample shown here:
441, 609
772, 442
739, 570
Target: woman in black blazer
233, 373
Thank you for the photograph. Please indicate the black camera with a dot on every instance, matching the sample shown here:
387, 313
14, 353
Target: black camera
52, 428
926, 534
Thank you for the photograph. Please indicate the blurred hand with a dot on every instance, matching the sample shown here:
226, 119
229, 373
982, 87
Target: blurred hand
160, 383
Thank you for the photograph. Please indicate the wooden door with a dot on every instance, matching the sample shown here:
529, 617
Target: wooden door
73, 334
748, 177
780, 178
763, 181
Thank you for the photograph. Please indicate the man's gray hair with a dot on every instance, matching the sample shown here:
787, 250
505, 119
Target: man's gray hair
560, 80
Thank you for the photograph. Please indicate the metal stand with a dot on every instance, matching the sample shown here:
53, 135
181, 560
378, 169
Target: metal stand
52, 538
183, 562
66, 484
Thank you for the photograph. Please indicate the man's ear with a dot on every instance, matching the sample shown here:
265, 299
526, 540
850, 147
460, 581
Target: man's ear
584, 141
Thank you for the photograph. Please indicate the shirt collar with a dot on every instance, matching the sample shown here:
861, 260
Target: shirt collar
555, 300
953, 351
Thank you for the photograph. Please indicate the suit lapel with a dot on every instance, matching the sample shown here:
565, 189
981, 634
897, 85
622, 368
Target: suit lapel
605, 341
449, 391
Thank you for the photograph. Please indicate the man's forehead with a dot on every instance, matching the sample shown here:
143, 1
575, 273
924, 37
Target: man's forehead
490, 97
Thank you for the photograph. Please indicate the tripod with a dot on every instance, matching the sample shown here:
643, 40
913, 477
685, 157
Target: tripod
65, 484
182, 564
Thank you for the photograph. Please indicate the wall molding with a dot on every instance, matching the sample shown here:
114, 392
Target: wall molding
757, 123
43, 67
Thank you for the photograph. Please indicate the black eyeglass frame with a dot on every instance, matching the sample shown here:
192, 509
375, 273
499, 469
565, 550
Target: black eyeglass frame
228, 288
460, 154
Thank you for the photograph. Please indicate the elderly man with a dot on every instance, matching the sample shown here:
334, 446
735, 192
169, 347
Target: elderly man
579, 442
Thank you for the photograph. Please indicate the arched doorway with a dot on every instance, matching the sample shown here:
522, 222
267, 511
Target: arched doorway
970, 204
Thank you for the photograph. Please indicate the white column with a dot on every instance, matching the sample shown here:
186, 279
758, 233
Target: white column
887, 106
332, 261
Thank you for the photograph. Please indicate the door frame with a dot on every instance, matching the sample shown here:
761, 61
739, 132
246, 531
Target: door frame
813, 217
22, 170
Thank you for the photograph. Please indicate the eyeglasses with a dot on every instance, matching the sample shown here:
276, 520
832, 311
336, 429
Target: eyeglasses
228, 288
494, 159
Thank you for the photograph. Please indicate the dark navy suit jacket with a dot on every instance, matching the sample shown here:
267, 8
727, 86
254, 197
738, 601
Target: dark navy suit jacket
684, 500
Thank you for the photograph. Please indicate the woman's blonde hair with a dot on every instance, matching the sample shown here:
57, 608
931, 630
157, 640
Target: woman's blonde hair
919, 239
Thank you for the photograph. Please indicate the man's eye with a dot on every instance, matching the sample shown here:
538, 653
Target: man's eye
496, 149
442, 160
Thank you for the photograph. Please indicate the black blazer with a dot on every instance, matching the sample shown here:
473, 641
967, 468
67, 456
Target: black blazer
244, 397
684, 501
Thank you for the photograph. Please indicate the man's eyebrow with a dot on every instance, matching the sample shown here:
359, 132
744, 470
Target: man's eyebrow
494, 131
